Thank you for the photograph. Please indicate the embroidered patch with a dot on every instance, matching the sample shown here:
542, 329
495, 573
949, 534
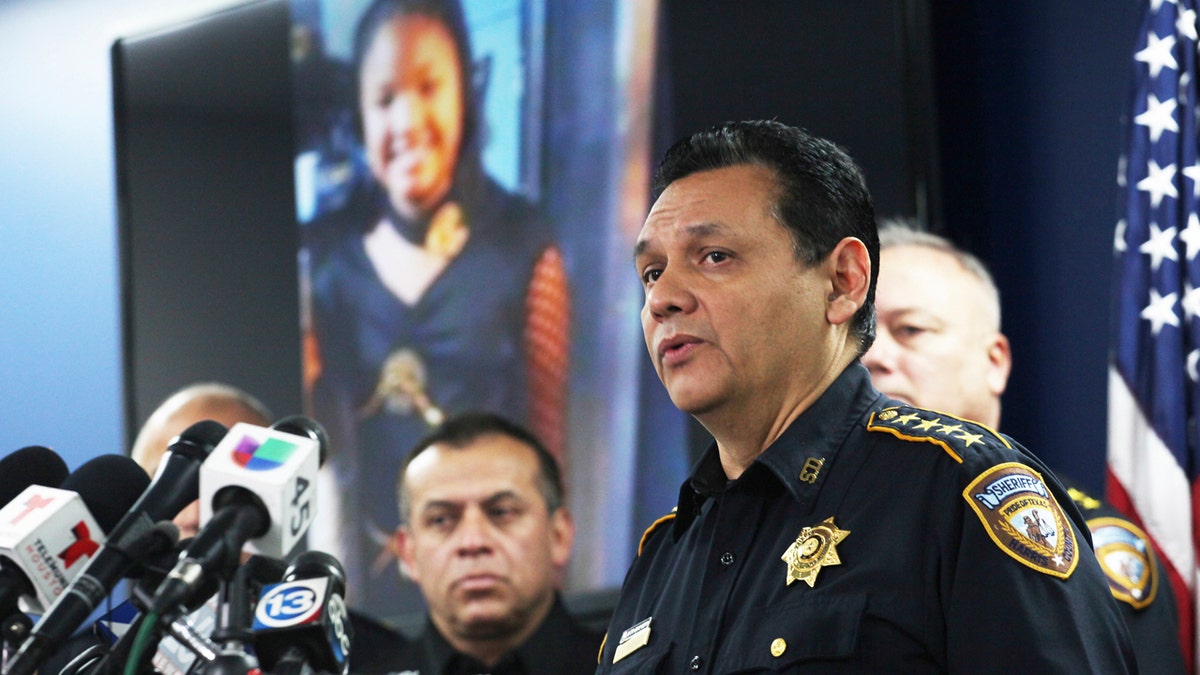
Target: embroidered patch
1127, 560
953, 434
1024, 519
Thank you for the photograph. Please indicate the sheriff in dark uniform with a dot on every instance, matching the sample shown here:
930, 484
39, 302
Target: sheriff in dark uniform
939, 346
828, 529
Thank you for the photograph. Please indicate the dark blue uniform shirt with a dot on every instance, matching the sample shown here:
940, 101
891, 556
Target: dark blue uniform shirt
1142, 592
932, 544
560, 646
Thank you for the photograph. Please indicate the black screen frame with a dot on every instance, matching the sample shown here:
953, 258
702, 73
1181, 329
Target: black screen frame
203, 132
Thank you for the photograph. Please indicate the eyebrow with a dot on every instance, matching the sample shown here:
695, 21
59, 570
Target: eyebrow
692, 231
486, 501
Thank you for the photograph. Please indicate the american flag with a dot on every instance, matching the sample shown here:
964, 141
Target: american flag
1154, 395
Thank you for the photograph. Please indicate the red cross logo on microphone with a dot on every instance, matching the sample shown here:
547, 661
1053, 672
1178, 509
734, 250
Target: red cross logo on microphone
34, 503
83, 545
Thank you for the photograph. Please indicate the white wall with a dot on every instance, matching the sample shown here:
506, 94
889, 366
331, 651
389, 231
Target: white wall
60, 360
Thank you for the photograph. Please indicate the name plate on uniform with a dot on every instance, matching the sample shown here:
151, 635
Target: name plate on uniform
633, 639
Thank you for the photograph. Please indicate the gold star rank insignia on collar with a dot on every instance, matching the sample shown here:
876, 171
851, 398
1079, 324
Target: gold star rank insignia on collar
814, 548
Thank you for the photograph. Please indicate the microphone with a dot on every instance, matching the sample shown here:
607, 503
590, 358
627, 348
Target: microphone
133, 538
257, 485
301, 425
32, 465
304, 619
48, 535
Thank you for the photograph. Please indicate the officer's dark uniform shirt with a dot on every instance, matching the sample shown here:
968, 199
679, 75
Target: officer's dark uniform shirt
560, 646
870, 537
1135, 579
373, 643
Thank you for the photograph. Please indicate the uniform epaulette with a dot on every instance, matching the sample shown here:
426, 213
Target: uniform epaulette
654, 526
953, 434
1083, 500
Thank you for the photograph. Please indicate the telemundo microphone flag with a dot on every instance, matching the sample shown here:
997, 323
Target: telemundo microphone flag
1154, 369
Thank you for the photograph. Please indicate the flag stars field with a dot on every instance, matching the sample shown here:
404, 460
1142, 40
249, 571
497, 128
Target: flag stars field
1154, 368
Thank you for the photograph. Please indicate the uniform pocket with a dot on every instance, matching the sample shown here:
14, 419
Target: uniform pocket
776, 637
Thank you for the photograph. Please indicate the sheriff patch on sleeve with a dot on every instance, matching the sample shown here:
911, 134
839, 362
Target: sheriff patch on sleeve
1023, 518
1127, 559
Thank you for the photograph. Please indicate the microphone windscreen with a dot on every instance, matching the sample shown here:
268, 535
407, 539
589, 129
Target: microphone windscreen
301, 425
198, 440
109, 485
315, 564
33, 465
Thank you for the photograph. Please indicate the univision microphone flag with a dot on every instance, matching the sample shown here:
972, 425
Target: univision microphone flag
279, 468
1154, 369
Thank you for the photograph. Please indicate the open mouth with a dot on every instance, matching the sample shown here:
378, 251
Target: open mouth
677, 348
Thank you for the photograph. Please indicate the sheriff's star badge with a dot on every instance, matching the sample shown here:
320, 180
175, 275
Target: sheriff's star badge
812, 550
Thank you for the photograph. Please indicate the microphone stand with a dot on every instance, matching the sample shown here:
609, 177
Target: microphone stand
233, 629
13, 632
235, 616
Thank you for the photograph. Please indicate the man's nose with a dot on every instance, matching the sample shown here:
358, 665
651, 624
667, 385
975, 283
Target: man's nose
670, 294
474, 533
881, 357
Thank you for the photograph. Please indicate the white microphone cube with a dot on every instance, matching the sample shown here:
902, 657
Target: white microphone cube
51, 535
280, 468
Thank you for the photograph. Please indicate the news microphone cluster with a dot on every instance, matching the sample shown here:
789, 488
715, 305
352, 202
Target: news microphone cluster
134, 538
257, 493
48, 534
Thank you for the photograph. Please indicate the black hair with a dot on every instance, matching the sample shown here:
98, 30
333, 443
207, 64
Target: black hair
462, 430
822, 195
450, 14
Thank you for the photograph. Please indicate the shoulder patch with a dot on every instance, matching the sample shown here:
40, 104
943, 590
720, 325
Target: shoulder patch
1127, 559
654, 526
1021, 515
953, 434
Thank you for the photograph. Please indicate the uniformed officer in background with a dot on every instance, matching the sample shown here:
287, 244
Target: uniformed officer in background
486, 535
828, 527
939, 346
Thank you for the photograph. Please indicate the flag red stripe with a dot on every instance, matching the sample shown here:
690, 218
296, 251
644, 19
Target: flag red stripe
1119, 498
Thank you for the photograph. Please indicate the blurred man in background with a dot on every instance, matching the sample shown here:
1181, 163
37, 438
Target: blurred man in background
195, 403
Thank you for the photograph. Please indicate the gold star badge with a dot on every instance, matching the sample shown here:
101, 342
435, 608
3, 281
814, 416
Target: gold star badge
812, 550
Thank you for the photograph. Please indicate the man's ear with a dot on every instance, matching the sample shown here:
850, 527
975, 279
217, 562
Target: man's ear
562, 536
404, 546
850, 276
999, 363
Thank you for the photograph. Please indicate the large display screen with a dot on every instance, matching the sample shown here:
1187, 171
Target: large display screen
470, 178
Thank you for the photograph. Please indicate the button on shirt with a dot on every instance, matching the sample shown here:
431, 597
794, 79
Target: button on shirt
919, 584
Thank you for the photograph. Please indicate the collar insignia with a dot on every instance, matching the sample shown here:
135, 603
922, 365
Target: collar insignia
814, 548
1023, 518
